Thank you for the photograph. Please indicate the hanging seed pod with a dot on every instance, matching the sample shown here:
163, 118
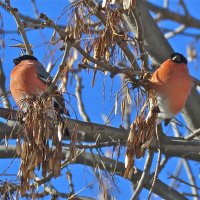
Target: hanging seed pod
116, 103
38, 139
60, 131
39, 157
22, 191
35, 128
23, 151
44, 169
59, 150
32, 160
46, 128
47, 152
107, 55
47, 105
123, 109
51, 163
128, 96
18, 147
31, 174
41, 130
55, 139
23, 170
57, 167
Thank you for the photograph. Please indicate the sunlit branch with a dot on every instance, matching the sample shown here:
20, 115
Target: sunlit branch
78, 94
20, 27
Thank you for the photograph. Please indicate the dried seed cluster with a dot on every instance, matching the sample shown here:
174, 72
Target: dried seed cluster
141, 133
42, 131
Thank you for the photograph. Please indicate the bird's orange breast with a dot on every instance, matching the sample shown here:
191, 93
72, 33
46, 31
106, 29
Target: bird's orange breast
24, 81
172, 80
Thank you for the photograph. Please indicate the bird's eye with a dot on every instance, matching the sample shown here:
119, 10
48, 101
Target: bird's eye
177, 59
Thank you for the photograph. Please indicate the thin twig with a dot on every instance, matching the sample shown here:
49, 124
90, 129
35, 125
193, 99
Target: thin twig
145, 174
20, 26
50, 22
184, 7
188, 21
78, 93
176, 31
71, 185
140, 38
157, 166
3, 93
184, 182
192, 135
177, 172
191, 195
68, 46
103, 65
191, 178
186, 165
163, 163
114, 70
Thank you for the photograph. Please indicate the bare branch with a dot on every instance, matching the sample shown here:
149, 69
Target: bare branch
140, 38
155, 174
151, 41
170, 146
182, 2
68, 46
167, 14
176, 31
103, 162
182, 181
144, 176
3, 93
95, 146
78, 93
20, 27
191, 179
193, 135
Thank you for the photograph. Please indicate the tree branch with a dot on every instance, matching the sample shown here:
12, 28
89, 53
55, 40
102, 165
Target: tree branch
88, 159
20, 27
3, 94
78, 94
187, 20
144, 176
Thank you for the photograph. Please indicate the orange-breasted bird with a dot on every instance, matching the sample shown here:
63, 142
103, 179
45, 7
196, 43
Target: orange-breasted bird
172, 84
29, 78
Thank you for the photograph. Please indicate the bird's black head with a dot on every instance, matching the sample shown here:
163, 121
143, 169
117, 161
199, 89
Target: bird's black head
24, 57
178, 58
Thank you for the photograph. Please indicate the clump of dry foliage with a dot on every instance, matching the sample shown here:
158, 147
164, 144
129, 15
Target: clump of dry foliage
39, 143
